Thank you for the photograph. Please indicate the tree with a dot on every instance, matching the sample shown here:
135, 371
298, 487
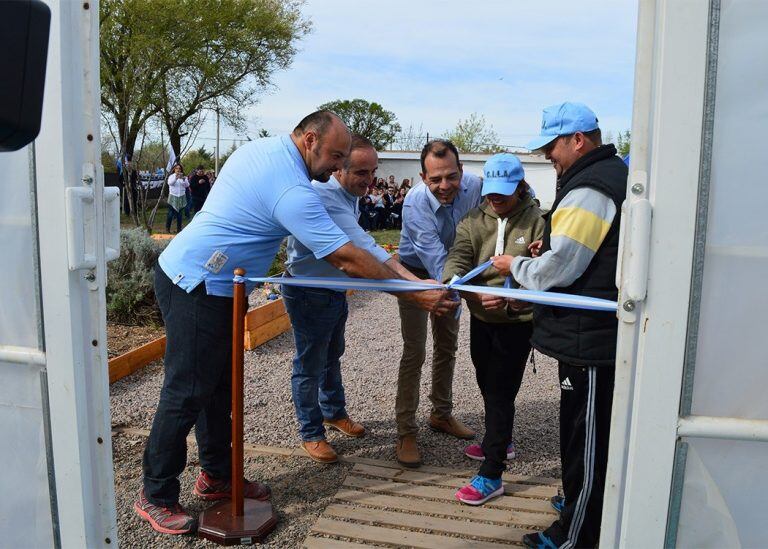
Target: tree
411, 139
622, 143
370, 120
228, 50
134, 38
198, 157
474, 135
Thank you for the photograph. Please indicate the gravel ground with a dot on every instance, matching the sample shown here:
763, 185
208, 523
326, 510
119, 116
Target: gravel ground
303, 488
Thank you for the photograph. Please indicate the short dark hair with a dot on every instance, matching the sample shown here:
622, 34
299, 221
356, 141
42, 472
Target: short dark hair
596, 136
358, 142
318, 122
438, 148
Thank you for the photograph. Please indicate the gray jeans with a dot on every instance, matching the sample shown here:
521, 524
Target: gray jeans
445, 331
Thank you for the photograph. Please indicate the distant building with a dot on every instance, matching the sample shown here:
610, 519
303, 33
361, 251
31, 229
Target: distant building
539, 172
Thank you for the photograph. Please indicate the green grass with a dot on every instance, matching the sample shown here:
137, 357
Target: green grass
389, 236
126, 222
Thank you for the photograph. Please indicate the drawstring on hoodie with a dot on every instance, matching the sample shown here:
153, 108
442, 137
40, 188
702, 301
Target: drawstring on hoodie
533, 359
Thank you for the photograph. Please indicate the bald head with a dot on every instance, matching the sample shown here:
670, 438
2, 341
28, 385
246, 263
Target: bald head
323, 141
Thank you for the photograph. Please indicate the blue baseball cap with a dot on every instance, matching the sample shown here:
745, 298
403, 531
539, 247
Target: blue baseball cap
502, 174
563, 119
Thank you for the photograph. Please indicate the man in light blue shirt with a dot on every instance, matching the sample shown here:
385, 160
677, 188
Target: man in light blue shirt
262, 195
319, 316
431, 212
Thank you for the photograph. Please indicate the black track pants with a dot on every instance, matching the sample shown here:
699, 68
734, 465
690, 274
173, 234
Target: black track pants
586, 395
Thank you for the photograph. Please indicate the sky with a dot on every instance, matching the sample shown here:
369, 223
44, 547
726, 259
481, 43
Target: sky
434, 62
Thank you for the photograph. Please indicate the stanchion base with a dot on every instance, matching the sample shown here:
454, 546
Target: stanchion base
217, 523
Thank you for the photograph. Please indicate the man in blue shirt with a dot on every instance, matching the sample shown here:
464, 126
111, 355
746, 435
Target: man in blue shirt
431, 212
319, 316
262, 195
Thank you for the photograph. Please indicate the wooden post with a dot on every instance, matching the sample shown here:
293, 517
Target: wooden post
237, 521
238, 380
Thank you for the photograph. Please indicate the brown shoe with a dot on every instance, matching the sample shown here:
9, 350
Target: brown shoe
320, 451
408, 451
452, 426
346, 426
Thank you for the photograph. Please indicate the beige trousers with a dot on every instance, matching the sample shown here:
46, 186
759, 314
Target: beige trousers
445, 331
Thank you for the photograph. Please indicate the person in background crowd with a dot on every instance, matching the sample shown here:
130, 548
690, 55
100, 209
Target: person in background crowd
508, 222
319, 316
377, 207
177, 197
397, 210
391, 181
431, 213
263, 195
578, 256
199, 186
389, 200
130, 180
406, 184
364, 207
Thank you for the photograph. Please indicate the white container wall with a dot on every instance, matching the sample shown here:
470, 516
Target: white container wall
25, 512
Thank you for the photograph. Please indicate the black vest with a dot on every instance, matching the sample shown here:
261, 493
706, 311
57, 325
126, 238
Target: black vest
576, 336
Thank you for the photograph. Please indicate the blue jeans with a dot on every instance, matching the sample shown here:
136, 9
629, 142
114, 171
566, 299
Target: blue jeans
318, 317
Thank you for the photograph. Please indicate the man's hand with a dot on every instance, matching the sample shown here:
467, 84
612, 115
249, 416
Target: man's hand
438, 302
503, 264
516, 306
492, 302
535, 248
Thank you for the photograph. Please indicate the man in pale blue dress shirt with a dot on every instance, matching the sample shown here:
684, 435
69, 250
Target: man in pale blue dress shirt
431, 212
319, 315
262, 195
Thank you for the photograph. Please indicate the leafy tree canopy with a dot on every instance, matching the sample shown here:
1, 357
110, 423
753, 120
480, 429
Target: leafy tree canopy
474, 135
370, 120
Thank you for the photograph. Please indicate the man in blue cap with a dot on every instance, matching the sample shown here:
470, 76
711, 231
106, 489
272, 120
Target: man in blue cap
578, 256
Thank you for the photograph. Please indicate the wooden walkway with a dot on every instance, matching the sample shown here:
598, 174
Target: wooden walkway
383, 504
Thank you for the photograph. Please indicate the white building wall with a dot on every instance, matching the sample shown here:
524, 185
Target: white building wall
539, 172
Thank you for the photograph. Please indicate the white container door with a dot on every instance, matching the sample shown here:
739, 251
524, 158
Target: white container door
689, 439
57, 480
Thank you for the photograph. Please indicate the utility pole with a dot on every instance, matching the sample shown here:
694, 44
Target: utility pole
216, 165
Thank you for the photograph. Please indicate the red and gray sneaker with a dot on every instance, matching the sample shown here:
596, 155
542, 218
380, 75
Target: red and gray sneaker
213, 489
167, 520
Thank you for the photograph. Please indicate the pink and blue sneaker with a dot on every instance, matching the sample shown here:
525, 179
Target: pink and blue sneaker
479, 490
475, 451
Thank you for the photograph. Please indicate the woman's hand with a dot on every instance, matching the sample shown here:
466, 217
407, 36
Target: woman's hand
503, 264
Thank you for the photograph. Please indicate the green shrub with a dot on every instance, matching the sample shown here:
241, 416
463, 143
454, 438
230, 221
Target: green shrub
130, 279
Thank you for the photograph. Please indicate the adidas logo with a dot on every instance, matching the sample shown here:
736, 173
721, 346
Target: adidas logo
520, 240
566, 385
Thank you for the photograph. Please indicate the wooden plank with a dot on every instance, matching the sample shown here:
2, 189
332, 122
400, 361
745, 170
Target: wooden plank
313, 542
493, 532
377, 534
258, 316
509, 477
133, 360
462, 512
264, 333
451, 481
444, 494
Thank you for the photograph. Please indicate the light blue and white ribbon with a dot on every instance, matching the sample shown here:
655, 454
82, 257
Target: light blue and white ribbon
553, 299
